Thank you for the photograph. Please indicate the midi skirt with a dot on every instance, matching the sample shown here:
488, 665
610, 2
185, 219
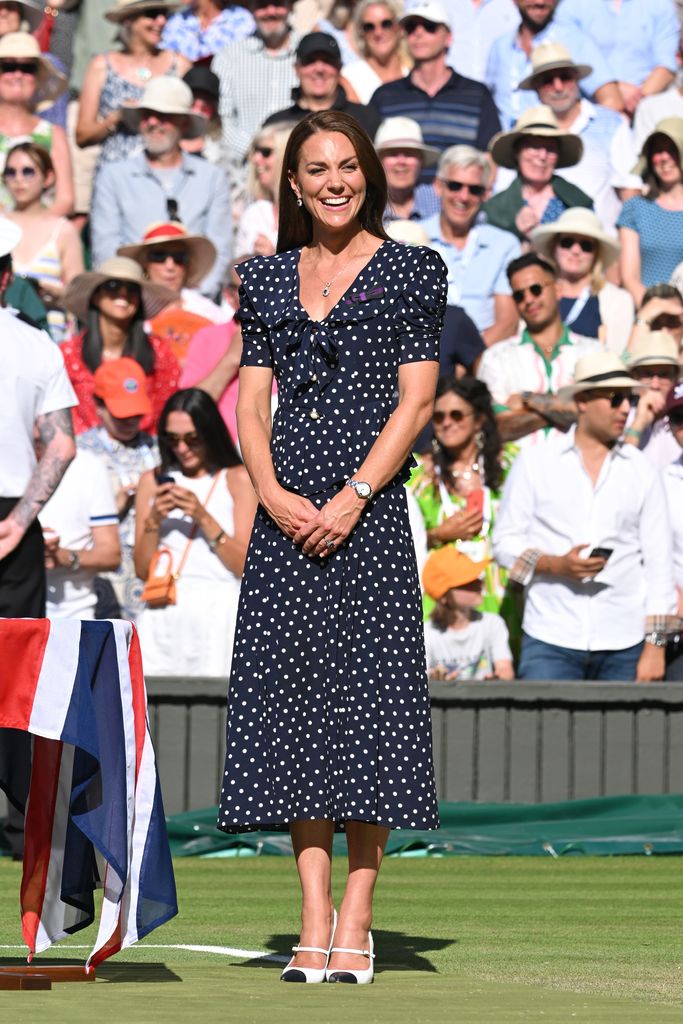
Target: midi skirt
328, 704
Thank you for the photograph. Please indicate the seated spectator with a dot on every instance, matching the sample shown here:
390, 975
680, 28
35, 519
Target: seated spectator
116, 79
177, 260
660, 106
318, 68
403, 154
27, 79
199, 508
582, 251
509, 61
451, 109
163, 183
257, 223
125, 452
583, 525
461, 344
475, 254
20, 17
638, 39
651, 226
604, 171
673, 485
461, 642
653, 362
81, 536
535, 149
660, 310
476, 26
379, 40
525, 373
205, 27
205, 94
112, 303
50, 251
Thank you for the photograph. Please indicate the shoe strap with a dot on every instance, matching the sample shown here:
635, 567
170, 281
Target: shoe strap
309, 949
345, 949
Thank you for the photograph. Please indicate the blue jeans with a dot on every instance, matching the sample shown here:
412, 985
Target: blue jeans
540, 660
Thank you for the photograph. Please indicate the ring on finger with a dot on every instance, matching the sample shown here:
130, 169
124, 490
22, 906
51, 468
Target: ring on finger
330, 545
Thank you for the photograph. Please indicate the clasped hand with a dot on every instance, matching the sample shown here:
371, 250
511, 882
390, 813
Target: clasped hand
170, 496
316, 529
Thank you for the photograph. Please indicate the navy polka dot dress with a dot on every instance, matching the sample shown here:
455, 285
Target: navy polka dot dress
328, 709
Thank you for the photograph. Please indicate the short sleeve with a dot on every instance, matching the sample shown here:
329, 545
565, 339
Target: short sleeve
58, 392
629, 216
498, 640
256, 349
102, 511
422, 311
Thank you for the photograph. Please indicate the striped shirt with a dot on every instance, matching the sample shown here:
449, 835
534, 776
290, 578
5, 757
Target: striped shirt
461, 112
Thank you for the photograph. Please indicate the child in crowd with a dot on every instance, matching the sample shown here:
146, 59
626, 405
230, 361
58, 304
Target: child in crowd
461, 642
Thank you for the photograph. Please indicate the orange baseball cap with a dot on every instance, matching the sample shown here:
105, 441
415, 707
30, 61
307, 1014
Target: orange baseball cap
121, 385
447, 567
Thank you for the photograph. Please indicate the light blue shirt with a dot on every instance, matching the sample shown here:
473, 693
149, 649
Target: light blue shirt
508, 65
643, 35
128, 197
476, 273
473, 31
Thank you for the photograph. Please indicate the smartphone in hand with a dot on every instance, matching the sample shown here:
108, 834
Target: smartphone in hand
475, 501
601, 553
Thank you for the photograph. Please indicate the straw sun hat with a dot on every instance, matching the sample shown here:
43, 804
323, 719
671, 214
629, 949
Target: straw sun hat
576, 221
552, 56
131, 8
79, 291
21, 46
658, 348
404, 133
166, 95
540, 123
598, 371
202, 251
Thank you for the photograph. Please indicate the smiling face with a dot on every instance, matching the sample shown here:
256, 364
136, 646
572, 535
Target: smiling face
454, 421
573, 261
18, 80
161, 133
459, 208
318, 79
402, 167
10, 17
538, 311
536, 13
117, 300
271, 20
380, 38
664, 161
329, 180
559, 90
147, 30
264, 160
537, 160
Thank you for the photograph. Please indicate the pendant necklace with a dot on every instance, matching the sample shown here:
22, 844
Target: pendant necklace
465, 474
328, 284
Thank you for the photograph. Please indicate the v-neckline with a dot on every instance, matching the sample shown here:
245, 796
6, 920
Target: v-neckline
342, 296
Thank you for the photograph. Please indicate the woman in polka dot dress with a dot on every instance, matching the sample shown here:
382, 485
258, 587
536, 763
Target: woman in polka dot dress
329, 718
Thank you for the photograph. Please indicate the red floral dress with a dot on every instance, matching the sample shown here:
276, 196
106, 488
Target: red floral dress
162, 382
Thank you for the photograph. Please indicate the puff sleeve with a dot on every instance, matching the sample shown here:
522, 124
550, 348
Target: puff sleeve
256, 346
422, 308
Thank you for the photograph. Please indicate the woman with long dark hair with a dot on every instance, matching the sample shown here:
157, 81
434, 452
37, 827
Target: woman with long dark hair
198, 506
458, 486
111, 304
328, 717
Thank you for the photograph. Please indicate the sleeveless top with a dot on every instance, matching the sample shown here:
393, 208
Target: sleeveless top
116, 93
46, 264
41, 135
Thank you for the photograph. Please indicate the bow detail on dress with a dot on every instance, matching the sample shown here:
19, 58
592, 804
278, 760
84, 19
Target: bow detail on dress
315, 355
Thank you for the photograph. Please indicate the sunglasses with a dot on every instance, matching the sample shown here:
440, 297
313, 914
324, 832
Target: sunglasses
114, 287
172, 210
26, 67
264, 151
533, 289
585, 244
181, 259
650, 372
668, 321
19, 172
412, 25
372, 26
615, 398
676, 417
458, 186
154, 12
192, 440
439, 416
564, 75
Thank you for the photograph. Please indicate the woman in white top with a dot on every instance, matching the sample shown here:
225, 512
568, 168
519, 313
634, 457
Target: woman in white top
199, 505
257, 227
380, 40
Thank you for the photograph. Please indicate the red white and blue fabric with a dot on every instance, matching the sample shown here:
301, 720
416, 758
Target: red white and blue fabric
94, 817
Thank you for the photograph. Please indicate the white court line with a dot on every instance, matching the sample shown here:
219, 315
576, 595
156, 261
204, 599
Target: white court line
247, 954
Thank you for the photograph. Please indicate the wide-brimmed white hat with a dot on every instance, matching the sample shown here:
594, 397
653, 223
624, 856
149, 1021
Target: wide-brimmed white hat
576, 221
658, 348
598, 371
78, 293
552, 56
49, 82
404, 133
429, 10
130, 8
166, 95
537, 122
202, 252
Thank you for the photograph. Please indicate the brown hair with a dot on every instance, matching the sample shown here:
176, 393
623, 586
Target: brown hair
295, 222
37, 154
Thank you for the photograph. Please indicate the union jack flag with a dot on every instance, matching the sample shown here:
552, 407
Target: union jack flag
94, 816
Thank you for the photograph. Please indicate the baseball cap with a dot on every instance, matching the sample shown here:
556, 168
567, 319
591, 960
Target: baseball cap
431, 10
447, 567
121, 385
319, 44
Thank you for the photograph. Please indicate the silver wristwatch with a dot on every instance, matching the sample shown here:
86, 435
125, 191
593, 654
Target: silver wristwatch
362, 489
656, 639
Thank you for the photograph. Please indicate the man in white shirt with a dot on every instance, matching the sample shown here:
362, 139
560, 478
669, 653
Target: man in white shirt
583, 525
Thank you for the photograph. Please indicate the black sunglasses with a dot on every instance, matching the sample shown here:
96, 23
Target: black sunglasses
161, 255
548, 77
154, 12
413, 24
585, 244
192, 440
615, 398
27, 67
17, 172
454, 415
458, 186
676, 417
370, 26
114, 286
264, 151
533, 289
172, 210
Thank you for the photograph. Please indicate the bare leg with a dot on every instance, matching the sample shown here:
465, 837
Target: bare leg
312, 842
366, 844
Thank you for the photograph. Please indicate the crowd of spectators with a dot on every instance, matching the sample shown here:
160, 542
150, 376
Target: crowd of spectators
536, 145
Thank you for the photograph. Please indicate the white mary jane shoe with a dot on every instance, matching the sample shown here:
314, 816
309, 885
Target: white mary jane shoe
349, 977
309, 975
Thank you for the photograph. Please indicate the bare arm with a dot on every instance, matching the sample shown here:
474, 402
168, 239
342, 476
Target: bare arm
629, 263
608, 95
70, 252
225, 370
64, 184
505, 323
104, 555
89, 129
658, 80
57, 436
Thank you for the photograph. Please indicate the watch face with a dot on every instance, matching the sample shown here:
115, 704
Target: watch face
363, 490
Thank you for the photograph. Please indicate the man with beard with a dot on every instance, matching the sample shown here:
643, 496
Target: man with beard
163, 183
510, 61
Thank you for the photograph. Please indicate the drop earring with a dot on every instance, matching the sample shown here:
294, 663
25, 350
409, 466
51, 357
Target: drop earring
299, 201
